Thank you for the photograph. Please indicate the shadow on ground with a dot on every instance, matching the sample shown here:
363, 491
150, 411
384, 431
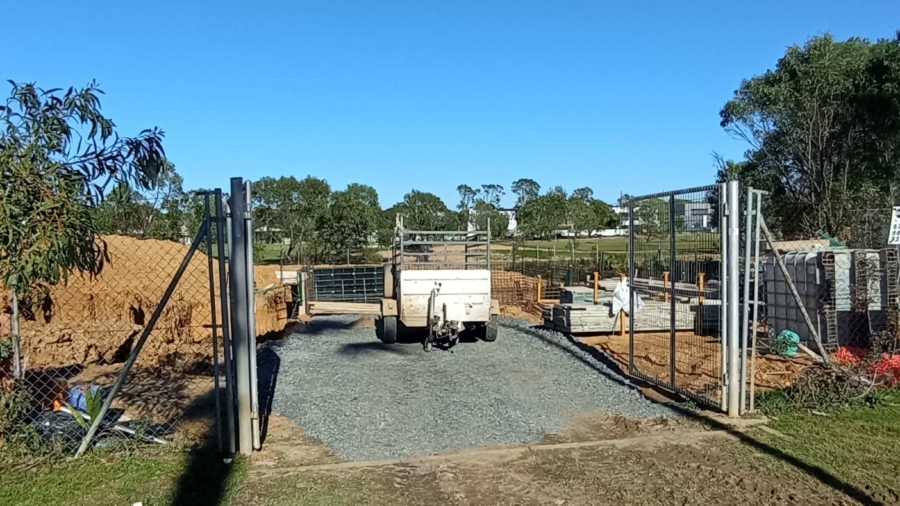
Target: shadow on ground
621, 377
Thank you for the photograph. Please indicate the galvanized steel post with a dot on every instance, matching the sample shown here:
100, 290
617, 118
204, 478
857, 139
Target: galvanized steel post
240, 328
251, 297
733, 287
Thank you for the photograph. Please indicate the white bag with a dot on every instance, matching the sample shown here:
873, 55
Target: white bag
620, 298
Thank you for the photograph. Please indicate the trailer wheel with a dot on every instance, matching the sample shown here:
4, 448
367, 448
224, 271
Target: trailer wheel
488, 332
386, 328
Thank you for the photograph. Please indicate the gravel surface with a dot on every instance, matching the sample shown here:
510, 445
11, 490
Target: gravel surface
367, 400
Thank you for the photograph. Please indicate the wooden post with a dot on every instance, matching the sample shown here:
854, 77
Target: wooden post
623, 315
701, 284
540, 289
666, 284
596, 287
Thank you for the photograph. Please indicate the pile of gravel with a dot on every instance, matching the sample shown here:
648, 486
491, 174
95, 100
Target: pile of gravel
367, 400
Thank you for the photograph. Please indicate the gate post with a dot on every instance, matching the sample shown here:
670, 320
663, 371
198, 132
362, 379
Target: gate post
733, 306
240, 329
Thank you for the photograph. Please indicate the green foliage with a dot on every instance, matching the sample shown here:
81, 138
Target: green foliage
824, 391
351, 221
286, 208
58, 154
824, 130
425, 211
164, 211
6, 348
93, 402
774, 402
525, 190
652, 217
486, 213
14, 403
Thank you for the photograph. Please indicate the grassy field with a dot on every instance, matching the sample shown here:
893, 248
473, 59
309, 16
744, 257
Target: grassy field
848, 456
167, 478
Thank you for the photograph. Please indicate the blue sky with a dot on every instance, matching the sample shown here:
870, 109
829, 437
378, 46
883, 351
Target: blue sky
618, 96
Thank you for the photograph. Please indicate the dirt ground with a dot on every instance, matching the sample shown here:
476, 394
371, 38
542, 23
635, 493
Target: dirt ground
697, 363
96, 320
597, 460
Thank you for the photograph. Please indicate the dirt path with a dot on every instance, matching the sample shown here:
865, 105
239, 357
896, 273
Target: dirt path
597, 460
665, 468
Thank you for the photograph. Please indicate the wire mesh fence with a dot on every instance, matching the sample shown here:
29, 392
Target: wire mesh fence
77, 337
675, 323
849, 294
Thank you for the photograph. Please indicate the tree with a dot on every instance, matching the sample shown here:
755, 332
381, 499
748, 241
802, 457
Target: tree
425, 211
542, 216
486, 213
157, 212
292, 208
824, 130
583, 194
58, 156
652, 218
350, 223
492, 194
525, 190
604, 215
467, 196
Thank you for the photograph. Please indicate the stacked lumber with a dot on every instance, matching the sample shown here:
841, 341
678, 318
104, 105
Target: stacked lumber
576, 295
576, 318
318, 307
547, 315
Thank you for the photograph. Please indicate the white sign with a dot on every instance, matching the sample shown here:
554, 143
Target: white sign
894, 233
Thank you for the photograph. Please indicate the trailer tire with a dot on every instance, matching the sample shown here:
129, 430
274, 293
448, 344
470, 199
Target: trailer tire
488, 332
386, 328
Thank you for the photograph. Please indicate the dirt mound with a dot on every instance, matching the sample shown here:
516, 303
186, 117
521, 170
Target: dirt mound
96, 320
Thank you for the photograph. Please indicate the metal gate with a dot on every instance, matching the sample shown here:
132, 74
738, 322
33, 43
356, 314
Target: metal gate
677, 274
351, 283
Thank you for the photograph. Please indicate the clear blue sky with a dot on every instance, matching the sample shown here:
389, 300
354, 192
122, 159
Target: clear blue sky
618, 96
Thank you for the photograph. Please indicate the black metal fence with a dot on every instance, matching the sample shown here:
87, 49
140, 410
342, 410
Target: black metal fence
674, 315
350, 283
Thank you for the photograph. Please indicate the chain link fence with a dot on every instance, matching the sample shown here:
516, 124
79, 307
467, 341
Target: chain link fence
850, 294
78, 336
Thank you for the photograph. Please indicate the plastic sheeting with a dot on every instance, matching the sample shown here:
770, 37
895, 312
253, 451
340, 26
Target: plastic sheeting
620, 298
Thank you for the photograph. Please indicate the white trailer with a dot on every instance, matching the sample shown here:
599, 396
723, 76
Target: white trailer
440, 282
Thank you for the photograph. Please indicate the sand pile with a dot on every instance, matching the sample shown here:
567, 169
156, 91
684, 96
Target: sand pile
96, 320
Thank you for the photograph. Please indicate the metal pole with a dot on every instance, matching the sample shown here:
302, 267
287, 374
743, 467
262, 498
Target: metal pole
227, 348
745, 307
754, 327
733, 287
157, 312
16, 341
240, 309
672, 321
251, 297
488, 243
723, 292
212, 312
630, 284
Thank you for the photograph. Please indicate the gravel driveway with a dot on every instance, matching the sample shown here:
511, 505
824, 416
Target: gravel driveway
367, 400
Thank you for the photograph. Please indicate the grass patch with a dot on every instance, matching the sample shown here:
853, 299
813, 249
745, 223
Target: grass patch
169, 477
857, 443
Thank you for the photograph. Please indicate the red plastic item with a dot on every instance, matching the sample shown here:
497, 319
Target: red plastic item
889, 367
850, 354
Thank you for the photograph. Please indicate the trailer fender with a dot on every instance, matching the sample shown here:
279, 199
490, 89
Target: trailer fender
389, 307
495, 307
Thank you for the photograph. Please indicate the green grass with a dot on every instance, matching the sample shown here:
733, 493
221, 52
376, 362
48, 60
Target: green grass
858, 445
167, 478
